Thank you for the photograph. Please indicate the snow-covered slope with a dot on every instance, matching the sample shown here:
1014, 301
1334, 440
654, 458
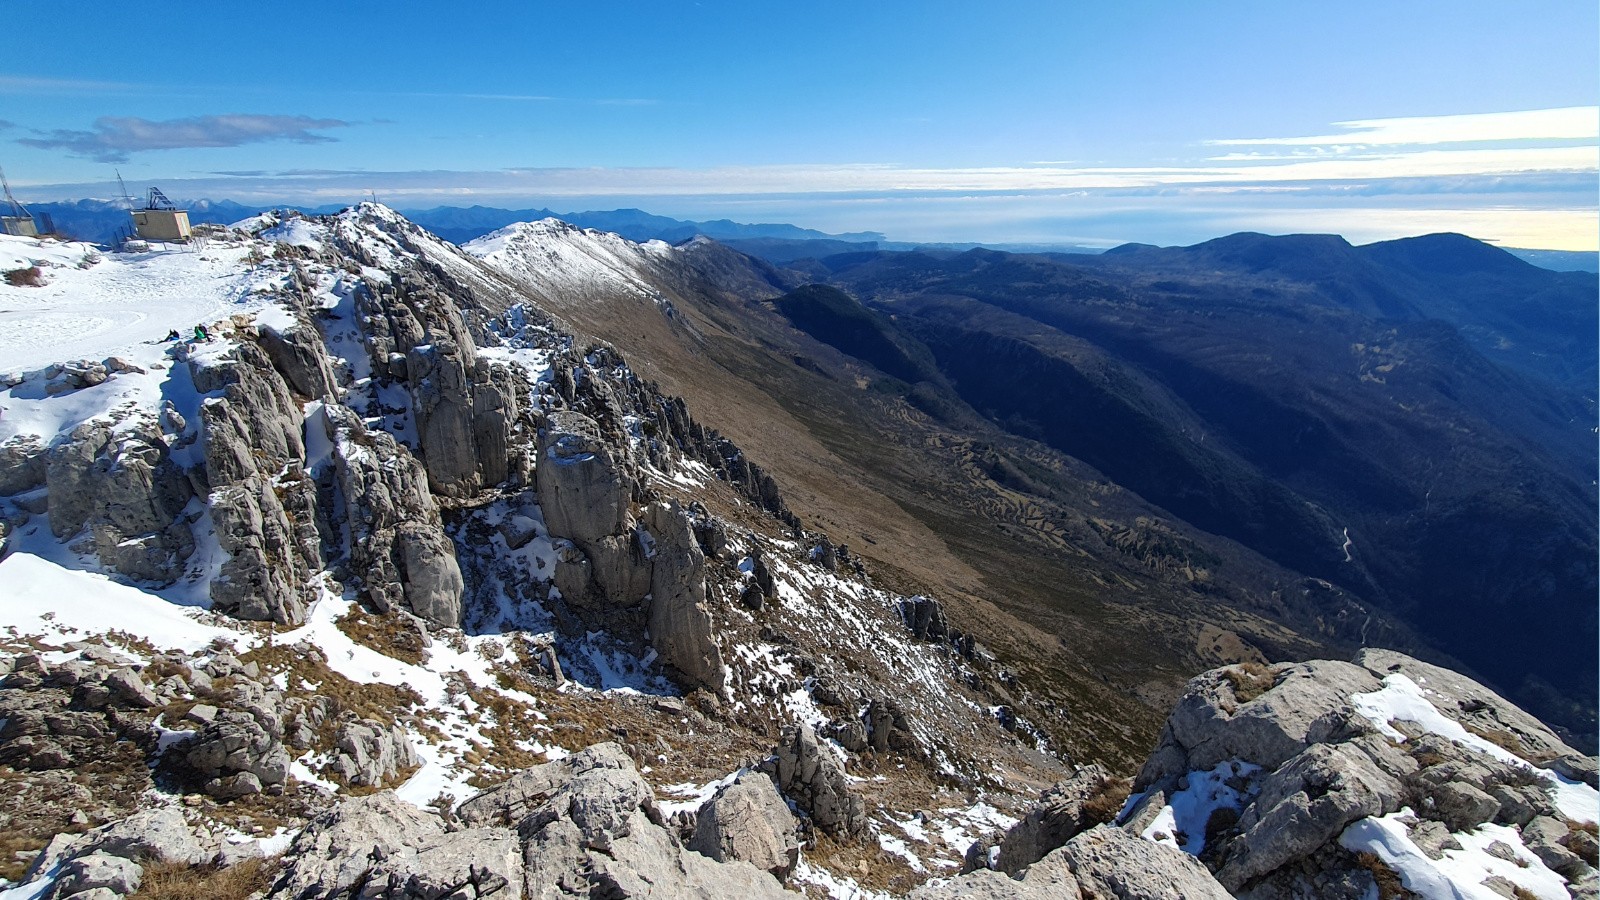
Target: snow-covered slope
304, 467
91, 304
566, 264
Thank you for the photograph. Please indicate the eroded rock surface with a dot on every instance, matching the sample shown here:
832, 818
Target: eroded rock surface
748, 820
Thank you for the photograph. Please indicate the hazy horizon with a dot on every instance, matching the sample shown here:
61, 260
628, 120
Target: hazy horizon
1032, 122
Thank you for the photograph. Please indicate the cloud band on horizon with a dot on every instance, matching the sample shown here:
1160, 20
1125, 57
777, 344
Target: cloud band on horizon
114, 138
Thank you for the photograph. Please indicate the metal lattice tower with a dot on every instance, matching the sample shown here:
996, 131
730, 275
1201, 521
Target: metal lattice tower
17, 209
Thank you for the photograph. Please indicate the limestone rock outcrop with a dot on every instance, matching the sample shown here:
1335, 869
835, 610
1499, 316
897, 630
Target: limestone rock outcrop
124, 487
1104, 862
583, 488
590, 828
372, 754
680, 622
466, 407
1060, 815
1318, 751
398, 545
808, 773
611, 562
253, 451
23, 464
748, 820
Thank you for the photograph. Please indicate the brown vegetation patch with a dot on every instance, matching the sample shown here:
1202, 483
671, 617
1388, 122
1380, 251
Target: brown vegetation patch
1390, 885
379, 702
131, 643
1587, 850
1508, 741
513, 723
177, 881
867, 863
16, 853
1426, 758
28, 277
394, 635
1249, 680
1106, 802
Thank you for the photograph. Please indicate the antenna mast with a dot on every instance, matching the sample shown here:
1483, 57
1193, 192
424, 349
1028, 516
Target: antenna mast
125, 196
17, 209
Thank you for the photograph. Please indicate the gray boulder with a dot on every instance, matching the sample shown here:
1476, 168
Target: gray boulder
97, 870
1104, 863
1056, 819
1054, 883
620, 568
1547, 838
342, 846
748, 820
604, 767
372, 754
1303, 806
808, 773
127, 689
235, 743
1109, 862
469, 864
159, 834
1234, 713
590, 828
23, 464
582, 487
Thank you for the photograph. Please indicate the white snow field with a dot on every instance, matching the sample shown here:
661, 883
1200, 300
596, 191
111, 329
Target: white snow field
94, 303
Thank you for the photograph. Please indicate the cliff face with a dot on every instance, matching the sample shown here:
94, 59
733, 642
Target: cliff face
393, 526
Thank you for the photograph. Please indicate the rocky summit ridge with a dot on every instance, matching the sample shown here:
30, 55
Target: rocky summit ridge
395, 588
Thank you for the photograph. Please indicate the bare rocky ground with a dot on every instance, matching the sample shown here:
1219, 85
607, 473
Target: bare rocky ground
491, 616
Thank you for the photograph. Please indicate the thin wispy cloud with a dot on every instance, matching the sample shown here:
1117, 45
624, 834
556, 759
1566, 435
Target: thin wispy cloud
114, 138
530, 98
27, 84
1574, 123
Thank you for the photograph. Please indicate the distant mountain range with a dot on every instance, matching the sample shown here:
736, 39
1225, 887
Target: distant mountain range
779, 243
99, 220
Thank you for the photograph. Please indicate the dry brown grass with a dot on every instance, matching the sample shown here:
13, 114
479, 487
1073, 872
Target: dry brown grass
176, 881
1587, 850
1249, 680
393, 635
131, 642
1507, 741
1390, 886
1108, 801
1426, 758
16, 853
377, 701
28, 277
867, 863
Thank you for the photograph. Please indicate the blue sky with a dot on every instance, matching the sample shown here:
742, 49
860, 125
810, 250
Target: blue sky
1050, 122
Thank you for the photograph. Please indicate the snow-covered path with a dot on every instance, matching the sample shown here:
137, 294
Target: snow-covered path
95, 304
